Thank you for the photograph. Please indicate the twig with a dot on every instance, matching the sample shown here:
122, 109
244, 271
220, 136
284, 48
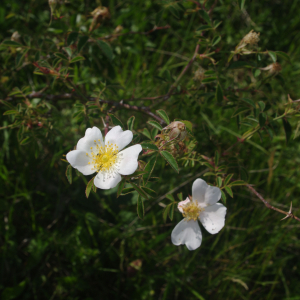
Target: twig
268, 205
142, 109
212, 7
134, 32
174, 85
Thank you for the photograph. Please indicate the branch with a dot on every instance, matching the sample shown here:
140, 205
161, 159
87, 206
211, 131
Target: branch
134, 32
268, 205
142, 109
174, 85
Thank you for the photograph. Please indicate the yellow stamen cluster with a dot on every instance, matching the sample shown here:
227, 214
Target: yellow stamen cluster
191, 211
104, 158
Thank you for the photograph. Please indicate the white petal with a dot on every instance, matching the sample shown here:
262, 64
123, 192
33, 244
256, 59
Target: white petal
205, 194
188, 233
88, 141
119, 137
183, 203
106, 181
129, 160
213, 218
79, 161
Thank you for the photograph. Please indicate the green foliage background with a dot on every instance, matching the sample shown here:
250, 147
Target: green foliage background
56, 244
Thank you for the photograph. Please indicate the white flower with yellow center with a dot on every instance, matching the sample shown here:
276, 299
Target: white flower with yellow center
204, 207
92, 155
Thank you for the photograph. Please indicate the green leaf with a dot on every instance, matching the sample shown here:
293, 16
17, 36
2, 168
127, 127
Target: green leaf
261, 105
171, 211
219, 181
81, 43
106, 50
76, 59
219, 94
69, 173
241, 64
188, 125
227, 179
237, 182
146, 132
167, 75
154, 133
287, 129
205, 16
155, 124
10, 293
9, 43
68, 50
149, 146
130, 123
249, 101
166, 211
72, 38
116, 121
179, 196
217, 156
149, 168
209, 79
262, 119
170, 159
149, 191
208, 174
89, 187
163, 115
127, 191
223, 196
240, 111
10, 112
216, 40
242, 4
60, 55
229, 191
170, 197
204, 27
121, 186
256, 72
26, 140
273, 55
139, 190
283, 55
140, 208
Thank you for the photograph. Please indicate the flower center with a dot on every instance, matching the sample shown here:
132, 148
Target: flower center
191, 211
104, 158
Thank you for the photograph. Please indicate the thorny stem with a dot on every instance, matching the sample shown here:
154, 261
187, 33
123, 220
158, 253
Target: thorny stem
142, 109
268, 205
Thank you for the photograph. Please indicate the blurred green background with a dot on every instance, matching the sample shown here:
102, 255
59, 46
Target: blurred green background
57, 244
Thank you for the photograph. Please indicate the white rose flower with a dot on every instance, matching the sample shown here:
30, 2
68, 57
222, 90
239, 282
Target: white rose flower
202, 206
92, 155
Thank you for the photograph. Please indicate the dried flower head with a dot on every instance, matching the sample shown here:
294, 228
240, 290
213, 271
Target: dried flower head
252, 38
15, 37
176, 130
118, 29
274, 68
199, 74
99, 14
